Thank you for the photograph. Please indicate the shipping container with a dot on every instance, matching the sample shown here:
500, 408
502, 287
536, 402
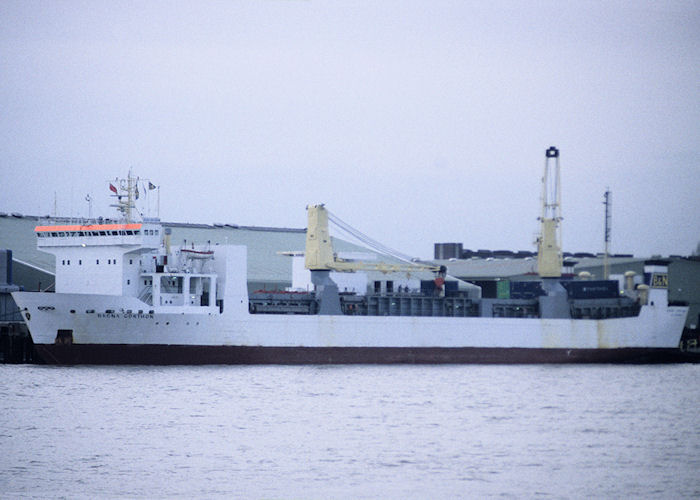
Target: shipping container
599, 289
503, 289
526, 289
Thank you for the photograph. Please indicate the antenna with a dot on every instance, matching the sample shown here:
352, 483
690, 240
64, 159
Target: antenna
88, 198
607, 201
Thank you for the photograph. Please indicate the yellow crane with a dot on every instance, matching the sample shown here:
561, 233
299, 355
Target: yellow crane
320, 260
319, 255
549, 255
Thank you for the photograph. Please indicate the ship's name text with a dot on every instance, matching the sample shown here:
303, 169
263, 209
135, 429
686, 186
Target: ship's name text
125, 315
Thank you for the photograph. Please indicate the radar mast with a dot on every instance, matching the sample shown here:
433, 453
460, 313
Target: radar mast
126, 192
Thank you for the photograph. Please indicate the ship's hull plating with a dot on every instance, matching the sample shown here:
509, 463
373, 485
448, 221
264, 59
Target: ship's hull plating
112, 330
119, 354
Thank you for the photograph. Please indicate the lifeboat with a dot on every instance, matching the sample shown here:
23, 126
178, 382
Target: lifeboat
197, 254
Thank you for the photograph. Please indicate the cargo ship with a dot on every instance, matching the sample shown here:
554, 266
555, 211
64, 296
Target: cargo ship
125, 295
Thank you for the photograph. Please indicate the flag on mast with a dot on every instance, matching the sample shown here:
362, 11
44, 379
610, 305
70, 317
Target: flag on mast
112, 188
151, 186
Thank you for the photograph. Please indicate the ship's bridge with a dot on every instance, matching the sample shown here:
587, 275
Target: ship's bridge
82, 235
99, 258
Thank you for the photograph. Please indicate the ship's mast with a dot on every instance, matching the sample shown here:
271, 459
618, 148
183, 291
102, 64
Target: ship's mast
549, 255
607, 201
125, 202
129, 195
126, 191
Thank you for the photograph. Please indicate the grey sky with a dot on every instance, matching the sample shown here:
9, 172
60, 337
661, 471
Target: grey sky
416, 122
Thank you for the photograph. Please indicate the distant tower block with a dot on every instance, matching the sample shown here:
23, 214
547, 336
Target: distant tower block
549, 255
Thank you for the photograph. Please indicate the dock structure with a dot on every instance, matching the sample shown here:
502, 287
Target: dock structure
15, 342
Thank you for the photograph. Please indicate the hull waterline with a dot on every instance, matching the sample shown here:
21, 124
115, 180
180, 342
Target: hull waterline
112, 354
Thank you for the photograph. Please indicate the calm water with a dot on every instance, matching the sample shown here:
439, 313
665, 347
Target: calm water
350, 431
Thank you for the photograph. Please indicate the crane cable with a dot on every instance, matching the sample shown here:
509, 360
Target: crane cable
370, 242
